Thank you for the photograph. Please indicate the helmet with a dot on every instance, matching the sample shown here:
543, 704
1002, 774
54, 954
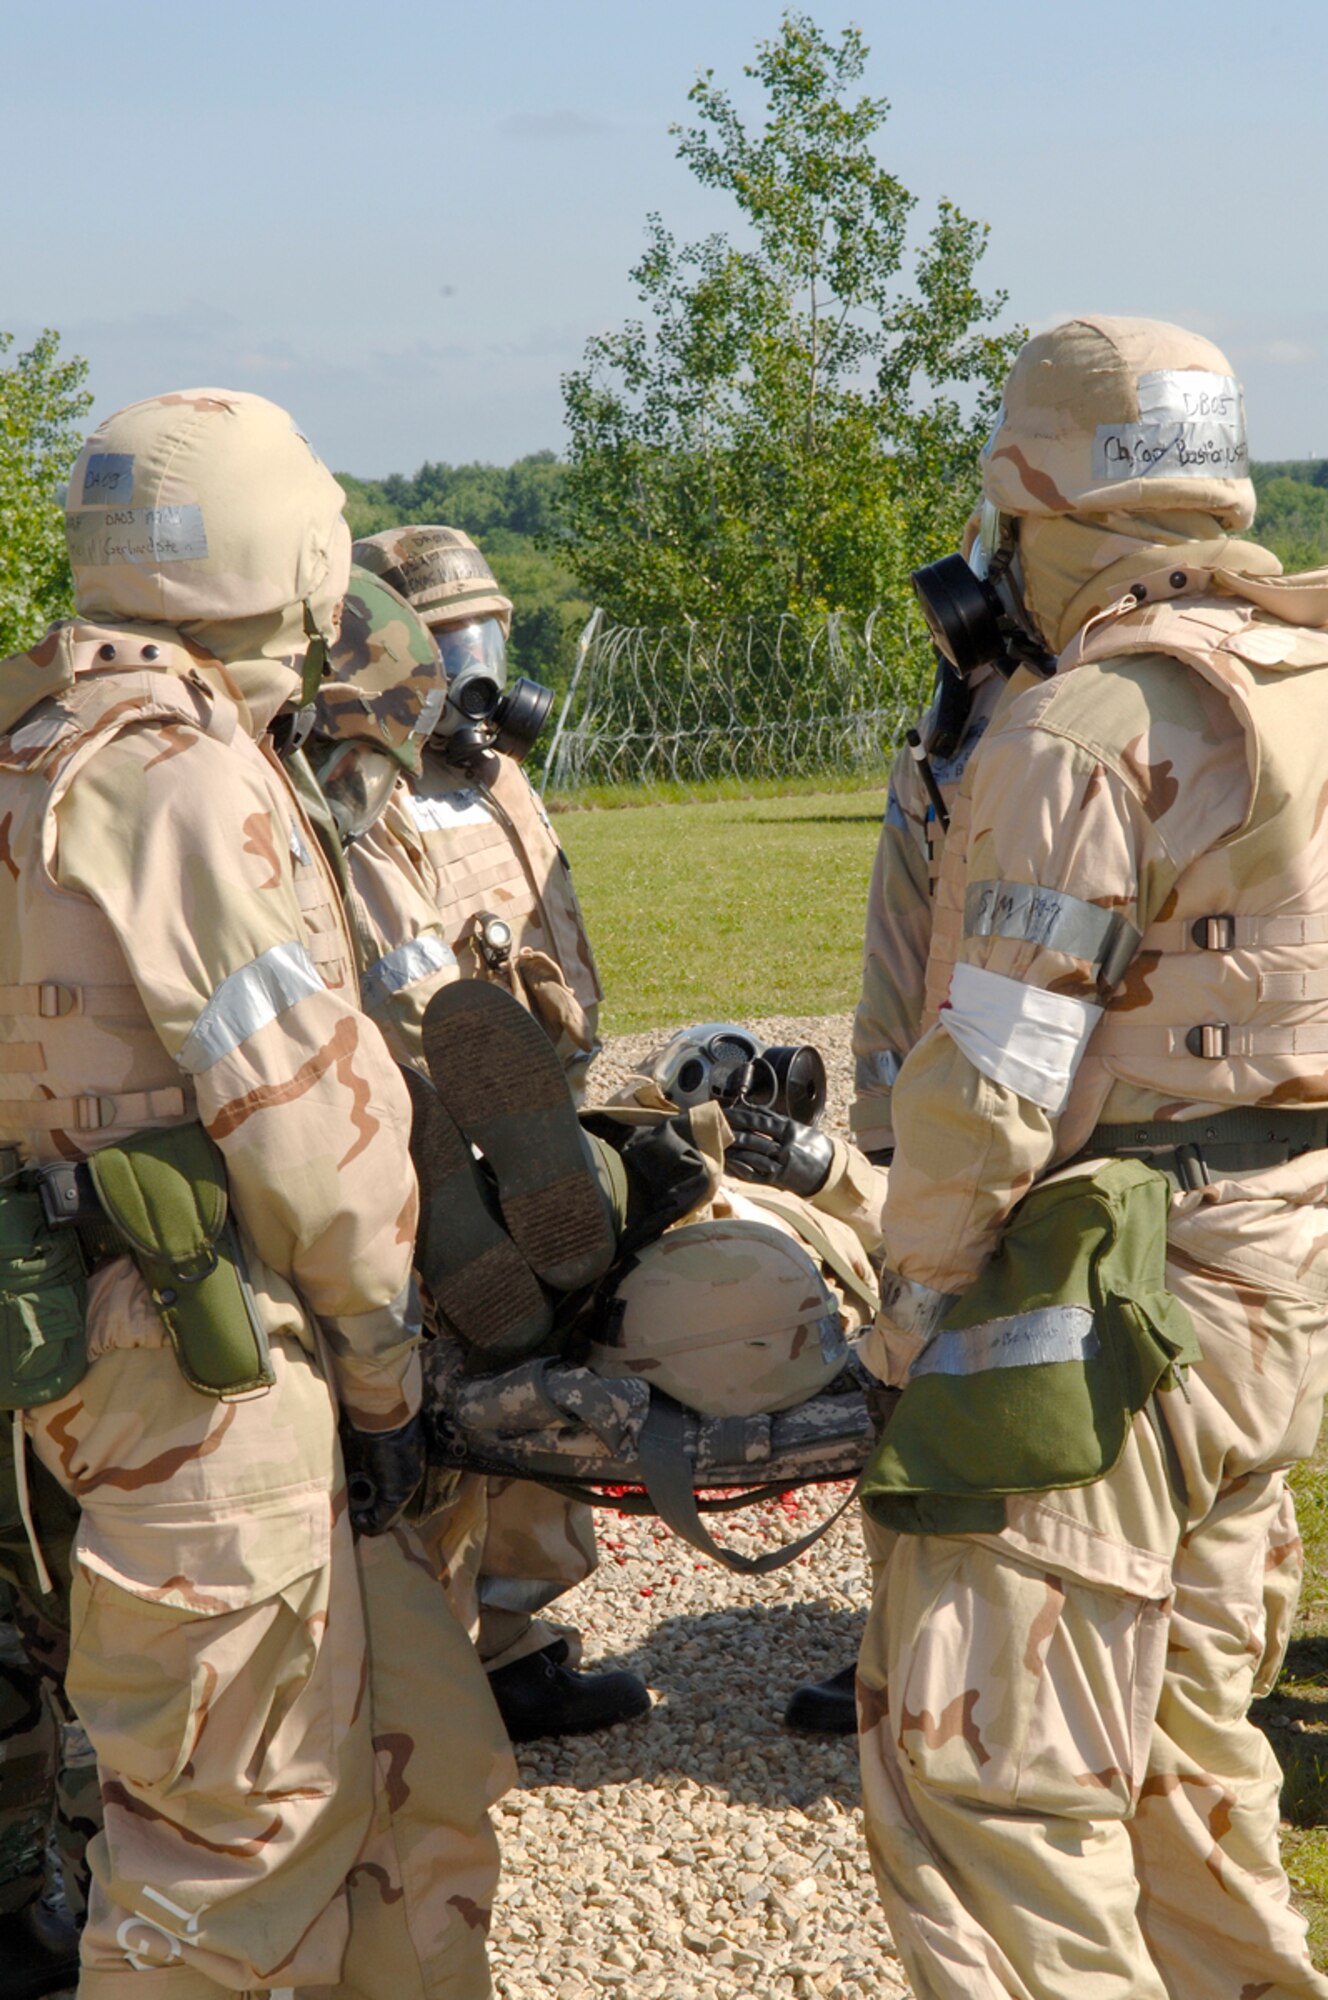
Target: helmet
385, 685
439, 571
206, 508
729, 1317
381, 700
1117, 416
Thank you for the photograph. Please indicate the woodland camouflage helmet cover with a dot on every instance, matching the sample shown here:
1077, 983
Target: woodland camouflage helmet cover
1120, 415
207, 509
386, 684
439, 571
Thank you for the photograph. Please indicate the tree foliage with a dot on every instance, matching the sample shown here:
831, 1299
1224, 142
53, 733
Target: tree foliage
1293, 512
790, 426
512, 511
42, 404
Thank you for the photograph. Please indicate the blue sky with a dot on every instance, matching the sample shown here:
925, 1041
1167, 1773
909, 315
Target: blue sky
407, 237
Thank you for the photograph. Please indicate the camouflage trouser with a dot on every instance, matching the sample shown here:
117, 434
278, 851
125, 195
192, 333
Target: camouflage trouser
506, 1548
1065, 1797
265, 1817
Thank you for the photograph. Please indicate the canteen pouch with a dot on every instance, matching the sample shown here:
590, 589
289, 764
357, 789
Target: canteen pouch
165, 1191
1033, 1378
43, 1305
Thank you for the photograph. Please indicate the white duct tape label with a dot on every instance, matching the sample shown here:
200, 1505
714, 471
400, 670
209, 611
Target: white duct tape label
1191, 426
100, 537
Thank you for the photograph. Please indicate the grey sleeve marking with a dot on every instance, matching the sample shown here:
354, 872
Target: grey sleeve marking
1025, 1340
1049, 917
246, 1001
397, 969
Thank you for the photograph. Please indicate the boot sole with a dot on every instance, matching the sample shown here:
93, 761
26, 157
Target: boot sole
497, 1074
479, 1280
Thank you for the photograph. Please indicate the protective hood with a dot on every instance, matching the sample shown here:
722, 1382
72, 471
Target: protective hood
1071, 568
208, 512
78, 647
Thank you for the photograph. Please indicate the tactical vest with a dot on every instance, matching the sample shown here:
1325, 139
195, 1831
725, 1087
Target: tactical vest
1229, 990
82, 1064
493, 850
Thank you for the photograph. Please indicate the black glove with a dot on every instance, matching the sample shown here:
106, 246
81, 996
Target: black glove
777, 1151
383, 1470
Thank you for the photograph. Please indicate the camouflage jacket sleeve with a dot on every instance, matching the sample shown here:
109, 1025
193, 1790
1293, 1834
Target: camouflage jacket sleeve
404, 954
189, 857
885, 1025
854, 1190
1104, 829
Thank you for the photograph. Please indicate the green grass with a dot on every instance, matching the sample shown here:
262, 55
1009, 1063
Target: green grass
1295, 1715
730, 909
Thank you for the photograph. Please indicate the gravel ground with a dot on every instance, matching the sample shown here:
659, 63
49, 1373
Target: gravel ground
702, 1853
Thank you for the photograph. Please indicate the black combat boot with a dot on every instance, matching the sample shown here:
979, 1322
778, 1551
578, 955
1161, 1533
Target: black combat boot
539, 1696
824, 1708
38, 1952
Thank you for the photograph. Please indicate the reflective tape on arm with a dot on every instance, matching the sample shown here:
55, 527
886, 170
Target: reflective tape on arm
1020, 1036
416, 959
1054, 919
246, 1001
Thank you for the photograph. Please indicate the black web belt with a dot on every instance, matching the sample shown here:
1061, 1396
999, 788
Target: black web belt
1211, 1148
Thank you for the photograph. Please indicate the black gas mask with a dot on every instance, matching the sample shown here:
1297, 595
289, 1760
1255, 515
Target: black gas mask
481, 712
722, 1061
973, 610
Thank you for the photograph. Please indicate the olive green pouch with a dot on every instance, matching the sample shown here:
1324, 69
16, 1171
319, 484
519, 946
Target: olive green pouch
43, 1305
166, 1193
1032, 1380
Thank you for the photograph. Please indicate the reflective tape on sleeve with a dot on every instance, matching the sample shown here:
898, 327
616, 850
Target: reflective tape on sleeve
1020, 1036
1024, 1340
417, 958
913, 1307
246, 1001
878, 1070
1049, 917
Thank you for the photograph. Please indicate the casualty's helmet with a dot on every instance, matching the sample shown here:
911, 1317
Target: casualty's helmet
379, 703
727, 1316
1107, 415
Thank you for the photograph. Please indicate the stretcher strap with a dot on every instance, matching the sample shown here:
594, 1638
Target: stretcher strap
667, 1475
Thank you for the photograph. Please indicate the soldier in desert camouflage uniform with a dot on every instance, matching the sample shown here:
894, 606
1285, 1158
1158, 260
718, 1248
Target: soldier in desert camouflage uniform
492, 853
283, 1808
1065, 1796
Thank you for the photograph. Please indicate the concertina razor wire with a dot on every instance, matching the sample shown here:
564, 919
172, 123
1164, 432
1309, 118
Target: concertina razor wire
755, 698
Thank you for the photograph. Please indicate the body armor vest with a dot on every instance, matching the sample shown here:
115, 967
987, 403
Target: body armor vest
1228, 991
82, 1064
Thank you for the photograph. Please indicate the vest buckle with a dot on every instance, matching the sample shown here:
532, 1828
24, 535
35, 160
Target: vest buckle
1214, 933
1212, 1040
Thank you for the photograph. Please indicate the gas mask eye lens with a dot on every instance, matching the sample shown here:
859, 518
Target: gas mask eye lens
692, 1075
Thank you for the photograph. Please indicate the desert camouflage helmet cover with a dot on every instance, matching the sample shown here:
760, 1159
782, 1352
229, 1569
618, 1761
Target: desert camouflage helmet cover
730, 1316
207, 507
1120, 415
437, 570
386, 683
